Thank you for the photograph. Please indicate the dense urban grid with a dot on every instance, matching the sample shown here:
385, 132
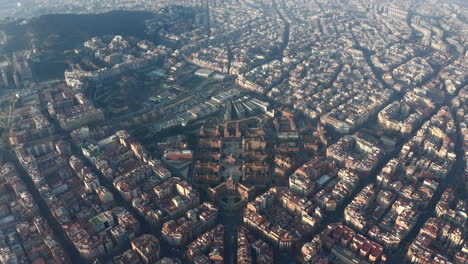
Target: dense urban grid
238, 131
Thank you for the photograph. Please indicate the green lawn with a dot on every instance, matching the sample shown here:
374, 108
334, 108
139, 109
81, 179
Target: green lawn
49, 70
193, 82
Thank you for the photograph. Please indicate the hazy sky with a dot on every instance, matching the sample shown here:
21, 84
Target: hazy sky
7, 7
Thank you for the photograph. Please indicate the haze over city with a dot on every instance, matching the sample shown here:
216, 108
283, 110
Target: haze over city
233, 131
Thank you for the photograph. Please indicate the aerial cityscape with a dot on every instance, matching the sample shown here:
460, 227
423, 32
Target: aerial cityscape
234, 131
